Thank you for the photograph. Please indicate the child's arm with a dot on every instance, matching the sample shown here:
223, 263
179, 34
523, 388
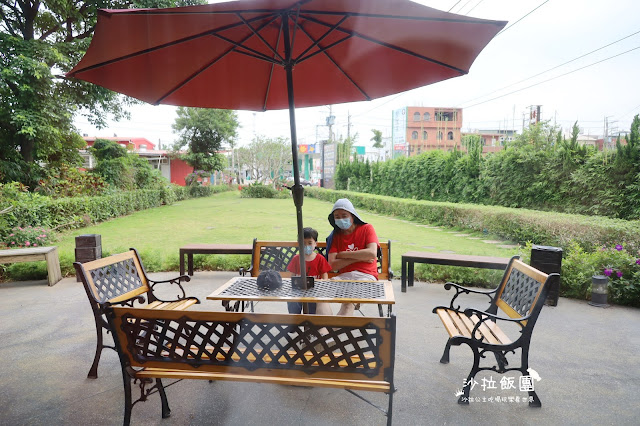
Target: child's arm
324, 276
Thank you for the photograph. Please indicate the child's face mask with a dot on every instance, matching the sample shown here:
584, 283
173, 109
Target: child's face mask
308, 250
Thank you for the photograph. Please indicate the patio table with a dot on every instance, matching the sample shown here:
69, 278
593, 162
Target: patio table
245, 289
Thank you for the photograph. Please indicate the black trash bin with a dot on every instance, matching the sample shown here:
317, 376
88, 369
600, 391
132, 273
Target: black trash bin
548, 260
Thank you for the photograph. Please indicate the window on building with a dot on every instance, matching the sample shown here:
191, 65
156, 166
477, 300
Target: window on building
439, 135
424, 135
411, 147
142, 148
450, 136
414, 135
416, 116
427, 116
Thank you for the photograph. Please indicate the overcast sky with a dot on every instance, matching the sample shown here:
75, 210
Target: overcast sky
501, 85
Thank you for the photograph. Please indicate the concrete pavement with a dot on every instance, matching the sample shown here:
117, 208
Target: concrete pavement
587, 359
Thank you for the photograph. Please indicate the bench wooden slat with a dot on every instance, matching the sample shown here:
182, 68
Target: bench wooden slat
180, 305
336, 383
458, 324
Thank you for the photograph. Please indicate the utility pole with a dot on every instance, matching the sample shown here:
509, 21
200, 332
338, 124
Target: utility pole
330, 121
348, 126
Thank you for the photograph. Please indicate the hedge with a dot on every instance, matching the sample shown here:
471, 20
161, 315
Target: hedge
36, 210
519, 225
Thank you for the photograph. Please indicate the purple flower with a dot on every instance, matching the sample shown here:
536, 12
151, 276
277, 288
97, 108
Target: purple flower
619, 247
608, 272
637, 261
619, 274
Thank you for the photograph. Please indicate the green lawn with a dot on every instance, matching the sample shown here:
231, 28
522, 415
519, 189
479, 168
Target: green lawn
226, 218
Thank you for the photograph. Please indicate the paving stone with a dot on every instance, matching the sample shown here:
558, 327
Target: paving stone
492, 241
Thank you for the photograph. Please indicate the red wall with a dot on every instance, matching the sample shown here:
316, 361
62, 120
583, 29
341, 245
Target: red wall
179, 170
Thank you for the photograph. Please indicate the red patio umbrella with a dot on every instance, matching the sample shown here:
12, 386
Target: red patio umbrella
275, 54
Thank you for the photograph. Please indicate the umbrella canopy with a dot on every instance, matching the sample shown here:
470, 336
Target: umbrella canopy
275, 54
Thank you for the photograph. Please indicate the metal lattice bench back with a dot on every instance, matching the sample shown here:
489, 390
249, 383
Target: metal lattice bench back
355, 352
276, 255
121, 279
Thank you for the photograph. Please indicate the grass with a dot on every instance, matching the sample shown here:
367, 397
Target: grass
158, 234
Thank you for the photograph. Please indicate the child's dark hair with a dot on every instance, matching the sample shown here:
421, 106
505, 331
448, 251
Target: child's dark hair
310, 233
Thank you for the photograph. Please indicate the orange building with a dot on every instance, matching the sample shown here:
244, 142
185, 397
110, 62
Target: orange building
427, 128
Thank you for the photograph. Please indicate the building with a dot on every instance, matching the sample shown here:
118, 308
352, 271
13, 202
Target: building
493, 140
419, 129
174, 170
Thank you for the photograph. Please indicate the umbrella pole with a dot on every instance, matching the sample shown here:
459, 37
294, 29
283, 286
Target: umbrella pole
297, 191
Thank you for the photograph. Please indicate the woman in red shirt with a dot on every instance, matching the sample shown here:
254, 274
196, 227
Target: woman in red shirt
353, 249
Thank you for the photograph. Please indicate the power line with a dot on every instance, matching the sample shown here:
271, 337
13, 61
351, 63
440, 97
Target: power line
536, 8
463, 6
471, 10
454, 6
553, 78
551, 69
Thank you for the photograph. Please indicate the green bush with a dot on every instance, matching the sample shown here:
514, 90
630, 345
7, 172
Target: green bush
519, 225
258, 190
538, 170
29, 209
622, 267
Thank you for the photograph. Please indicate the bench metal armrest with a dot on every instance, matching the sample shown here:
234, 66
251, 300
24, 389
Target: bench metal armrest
177, 280
484, 316
466, 290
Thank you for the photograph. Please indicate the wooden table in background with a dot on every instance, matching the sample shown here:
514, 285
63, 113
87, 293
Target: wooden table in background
191, 249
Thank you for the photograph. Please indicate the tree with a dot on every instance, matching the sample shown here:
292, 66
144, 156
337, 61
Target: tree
40, 40
266, 159
377, 138
204, 131
123, 169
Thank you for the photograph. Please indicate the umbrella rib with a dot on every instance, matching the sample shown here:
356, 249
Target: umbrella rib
329, 31
211, 63
266, 95
389, 45
239, 45
323, 50
259, 36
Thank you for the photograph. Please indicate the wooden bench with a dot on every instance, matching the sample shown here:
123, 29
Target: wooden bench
520, 295
191, 249
277, 255
265, 348
470, 261
34, 254
121, 279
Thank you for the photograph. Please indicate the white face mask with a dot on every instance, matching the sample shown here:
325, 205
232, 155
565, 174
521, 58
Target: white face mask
308, 250
343, 223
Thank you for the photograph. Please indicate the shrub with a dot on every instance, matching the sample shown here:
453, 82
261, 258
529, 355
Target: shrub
622, 267
519, 225
30, 236
258, 190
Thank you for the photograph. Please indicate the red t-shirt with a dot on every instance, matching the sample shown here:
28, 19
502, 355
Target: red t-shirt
362, 236
315, 268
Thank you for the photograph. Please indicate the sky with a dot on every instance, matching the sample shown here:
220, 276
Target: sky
579, 60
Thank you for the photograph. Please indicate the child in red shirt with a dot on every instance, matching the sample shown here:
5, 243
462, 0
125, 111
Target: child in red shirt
317, 266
